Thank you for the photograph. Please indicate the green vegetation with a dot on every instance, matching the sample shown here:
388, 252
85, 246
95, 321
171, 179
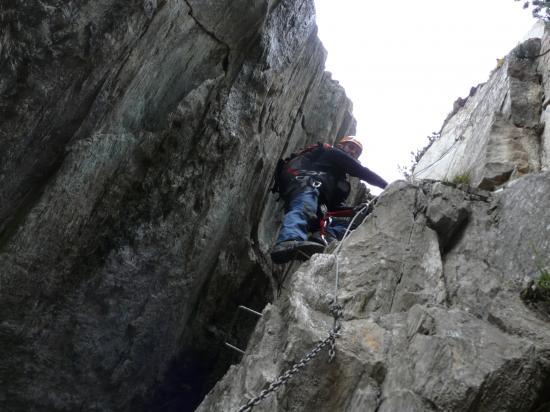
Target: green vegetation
538, 289
539, 9
408, 172
463, 178
543, 281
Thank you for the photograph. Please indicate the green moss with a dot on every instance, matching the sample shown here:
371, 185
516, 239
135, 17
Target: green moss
539, 288
463, 178
543, 282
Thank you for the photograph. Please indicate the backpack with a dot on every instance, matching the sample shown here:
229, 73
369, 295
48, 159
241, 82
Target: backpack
284, 163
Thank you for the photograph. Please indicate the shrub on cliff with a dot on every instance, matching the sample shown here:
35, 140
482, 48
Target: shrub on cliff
540, 9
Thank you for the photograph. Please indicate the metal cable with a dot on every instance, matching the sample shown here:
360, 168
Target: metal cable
335, 310
441, 157
337, 250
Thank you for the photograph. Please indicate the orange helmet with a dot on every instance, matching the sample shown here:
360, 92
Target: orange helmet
353, 140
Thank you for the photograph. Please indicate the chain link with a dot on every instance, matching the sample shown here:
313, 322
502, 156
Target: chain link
281, 380
336, 310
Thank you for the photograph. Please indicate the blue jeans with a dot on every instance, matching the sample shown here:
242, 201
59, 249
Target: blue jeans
301, 209
337, 229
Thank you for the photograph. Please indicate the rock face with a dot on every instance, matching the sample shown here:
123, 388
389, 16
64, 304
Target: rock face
497, 133
138, 144
432, 316
139, 140
435, 285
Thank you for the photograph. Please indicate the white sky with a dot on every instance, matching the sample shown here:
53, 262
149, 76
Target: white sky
403, 63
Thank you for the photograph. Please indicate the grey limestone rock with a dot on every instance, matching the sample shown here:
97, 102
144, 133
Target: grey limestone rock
497, 133
422, 329
139, 141
447, 211
138, 144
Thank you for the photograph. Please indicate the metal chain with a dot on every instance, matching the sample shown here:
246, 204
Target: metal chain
281, 380
336, 310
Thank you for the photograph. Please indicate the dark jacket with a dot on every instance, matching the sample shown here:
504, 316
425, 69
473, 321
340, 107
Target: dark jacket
332, 165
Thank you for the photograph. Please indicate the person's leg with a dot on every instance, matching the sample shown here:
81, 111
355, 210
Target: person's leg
301, 209
336, 229
292, 241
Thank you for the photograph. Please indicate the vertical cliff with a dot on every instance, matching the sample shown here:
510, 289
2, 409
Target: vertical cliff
139, 140
433, 318
444, 289
498, 132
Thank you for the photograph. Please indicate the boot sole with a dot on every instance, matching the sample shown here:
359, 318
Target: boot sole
301, 251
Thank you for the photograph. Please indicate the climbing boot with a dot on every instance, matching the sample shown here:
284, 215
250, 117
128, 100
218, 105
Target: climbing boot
305, 249
323, 240
317, 238
284, 252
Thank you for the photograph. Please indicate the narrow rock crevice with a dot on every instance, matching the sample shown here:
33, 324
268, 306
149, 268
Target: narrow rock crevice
205, 358
454, 239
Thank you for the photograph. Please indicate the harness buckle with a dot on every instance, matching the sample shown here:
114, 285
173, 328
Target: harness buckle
315, 184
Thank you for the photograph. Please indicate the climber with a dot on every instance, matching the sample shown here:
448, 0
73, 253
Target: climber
316, 175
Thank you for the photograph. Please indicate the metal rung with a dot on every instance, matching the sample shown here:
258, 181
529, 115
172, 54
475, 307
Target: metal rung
234, 348
250, 310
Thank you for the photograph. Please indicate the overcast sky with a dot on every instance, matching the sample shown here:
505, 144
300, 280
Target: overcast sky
403, 63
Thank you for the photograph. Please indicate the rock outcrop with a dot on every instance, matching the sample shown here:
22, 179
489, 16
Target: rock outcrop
436, 286
139, 139
497, 133
433, 318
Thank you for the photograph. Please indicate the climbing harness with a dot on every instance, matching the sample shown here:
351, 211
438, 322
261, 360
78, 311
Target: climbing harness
335, 309
326, 218
285, 164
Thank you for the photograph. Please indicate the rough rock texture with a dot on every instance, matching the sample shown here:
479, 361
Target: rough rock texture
543, 68
138, 140
496, 133
433, 320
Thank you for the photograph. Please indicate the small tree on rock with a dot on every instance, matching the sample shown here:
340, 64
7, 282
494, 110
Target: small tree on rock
540, 9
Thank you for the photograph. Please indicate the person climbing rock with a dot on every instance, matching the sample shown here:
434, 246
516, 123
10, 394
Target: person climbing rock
313, 176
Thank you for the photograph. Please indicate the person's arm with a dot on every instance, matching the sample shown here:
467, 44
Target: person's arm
353, 168
370, 177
